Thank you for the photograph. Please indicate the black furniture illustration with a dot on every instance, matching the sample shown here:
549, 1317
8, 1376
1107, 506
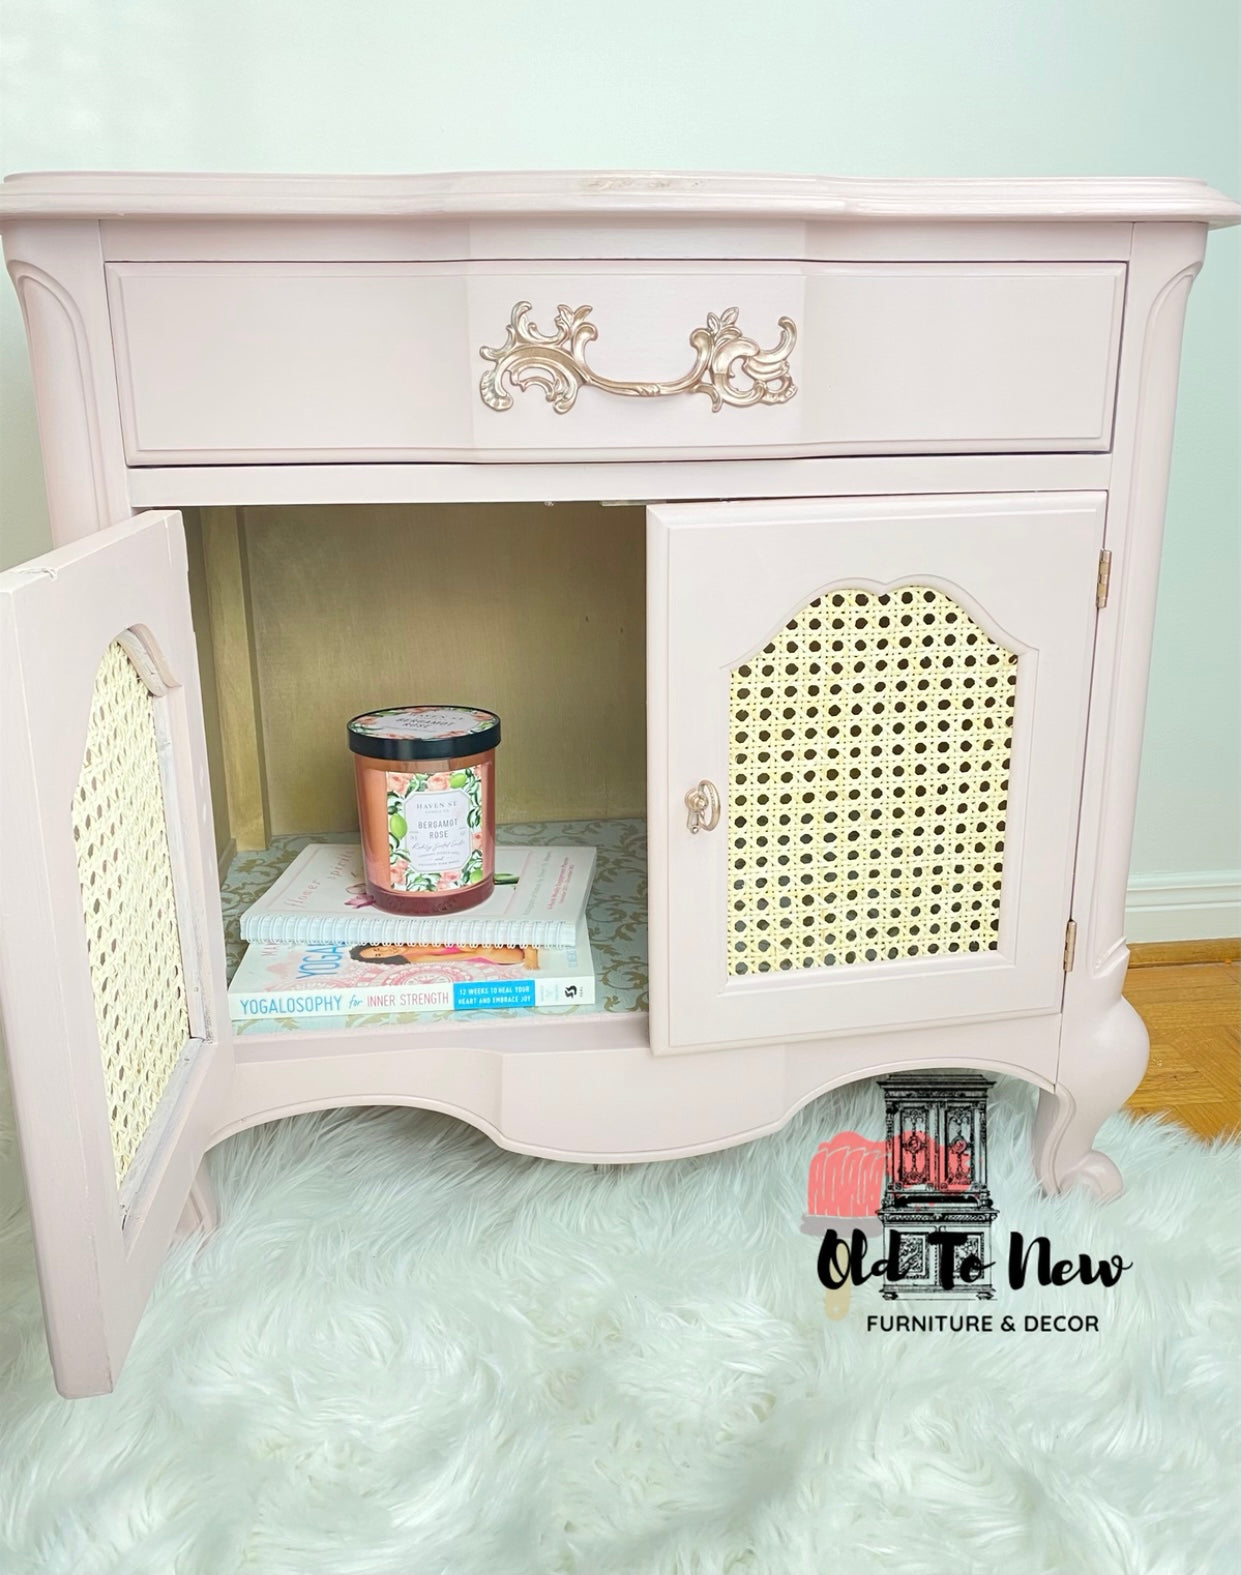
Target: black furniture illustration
936, 1209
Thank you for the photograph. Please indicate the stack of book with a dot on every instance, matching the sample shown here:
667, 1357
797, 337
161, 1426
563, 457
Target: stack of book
318, 946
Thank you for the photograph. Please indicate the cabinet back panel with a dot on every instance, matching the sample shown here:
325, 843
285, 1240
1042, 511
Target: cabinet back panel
537, 613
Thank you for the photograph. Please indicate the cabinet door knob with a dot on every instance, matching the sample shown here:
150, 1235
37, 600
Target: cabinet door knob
703, 804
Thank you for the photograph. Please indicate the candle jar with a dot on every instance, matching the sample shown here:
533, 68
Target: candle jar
425, 777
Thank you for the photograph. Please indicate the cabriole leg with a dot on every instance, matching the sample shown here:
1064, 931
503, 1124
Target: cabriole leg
1099, 1069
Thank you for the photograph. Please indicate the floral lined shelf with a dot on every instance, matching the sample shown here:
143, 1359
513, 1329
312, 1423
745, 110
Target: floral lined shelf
616, 917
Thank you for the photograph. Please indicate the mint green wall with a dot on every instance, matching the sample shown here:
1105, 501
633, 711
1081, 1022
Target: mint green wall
880, 87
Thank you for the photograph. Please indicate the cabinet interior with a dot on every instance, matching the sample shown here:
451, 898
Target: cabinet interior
306, 616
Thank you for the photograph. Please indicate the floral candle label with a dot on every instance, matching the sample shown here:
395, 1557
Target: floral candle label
435, 828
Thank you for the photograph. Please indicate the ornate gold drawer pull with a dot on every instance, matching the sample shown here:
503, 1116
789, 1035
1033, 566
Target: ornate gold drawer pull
703, 804
728, 368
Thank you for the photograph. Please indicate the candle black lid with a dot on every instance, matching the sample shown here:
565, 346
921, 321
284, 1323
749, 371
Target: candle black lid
423, 732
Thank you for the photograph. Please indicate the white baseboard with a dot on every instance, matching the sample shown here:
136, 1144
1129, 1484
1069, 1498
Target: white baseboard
1193, 907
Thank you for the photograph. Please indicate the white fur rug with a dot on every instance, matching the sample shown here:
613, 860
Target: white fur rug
406, 1351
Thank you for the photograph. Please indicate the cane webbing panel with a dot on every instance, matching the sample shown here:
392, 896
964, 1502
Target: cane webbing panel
868, 785
125, 873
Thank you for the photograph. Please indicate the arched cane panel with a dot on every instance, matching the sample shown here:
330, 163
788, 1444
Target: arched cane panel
125, 872
869, 758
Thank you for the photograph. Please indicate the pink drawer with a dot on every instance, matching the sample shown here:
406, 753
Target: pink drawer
235, 363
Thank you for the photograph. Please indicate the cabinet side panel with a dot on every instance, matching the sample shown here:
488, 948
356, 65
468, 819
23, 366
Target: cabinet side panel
224, 845
1104, 1044
227, 575
58, 273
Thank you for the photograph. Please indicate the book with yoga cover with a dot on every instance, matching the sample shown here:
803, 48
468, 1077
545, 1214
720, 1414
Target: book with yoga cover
375, 977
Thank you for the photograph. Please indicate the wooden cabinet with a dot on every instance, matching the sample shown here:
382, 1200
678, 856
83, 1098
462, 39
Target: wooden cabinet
903, 452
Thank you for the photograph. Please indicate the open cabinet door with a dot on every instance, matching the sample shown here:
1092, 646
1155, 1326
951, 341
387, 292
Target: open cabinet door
111, 947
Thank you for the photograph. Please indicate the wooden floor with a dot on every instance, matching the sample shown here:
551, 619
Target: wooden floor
1191, 1012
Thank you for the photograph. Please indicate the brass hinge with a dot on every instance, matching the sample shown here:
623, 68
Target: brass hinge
1070, 944
1104, 582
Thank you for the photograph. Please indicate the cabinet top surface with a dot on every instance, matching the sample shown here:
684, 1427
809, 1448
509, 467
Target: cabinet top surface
113, 194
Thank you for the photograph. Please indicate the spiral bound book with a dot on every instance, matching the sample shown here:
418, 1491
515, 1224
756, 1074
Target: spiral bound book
321, 899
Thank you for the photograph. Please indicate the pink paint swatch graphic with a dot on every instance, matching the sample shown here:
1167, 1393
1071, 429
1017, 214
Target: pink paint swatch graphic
845, 1185
844, 1189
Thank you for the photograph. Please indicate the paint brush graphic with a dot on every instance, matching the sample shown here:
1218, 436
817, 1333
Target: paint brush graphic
844, 1192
